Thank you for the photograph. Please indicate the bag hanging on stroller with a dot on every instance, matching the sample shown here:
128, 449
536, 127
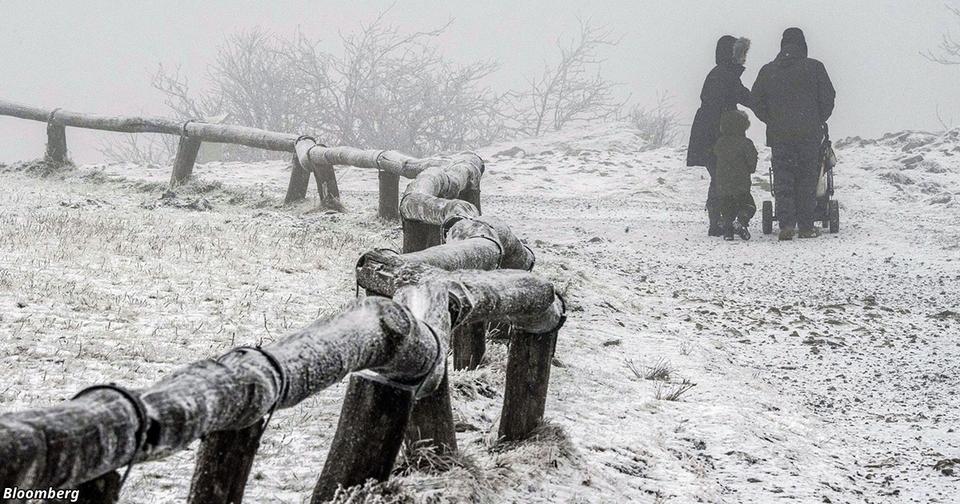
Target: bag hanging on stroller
828, 159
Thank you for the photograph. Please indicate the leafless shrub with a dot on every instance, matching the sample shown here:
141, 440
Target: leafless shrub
250, 83
393, 89
139, 149
658, 125
948, 52
384, 88
667, 391
659, 371
572, 89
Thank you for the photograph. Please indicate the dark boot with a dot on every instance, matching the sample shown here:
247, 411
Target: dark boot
743, 221
715, 228
786, 234
728, 231
743, 232
809, 233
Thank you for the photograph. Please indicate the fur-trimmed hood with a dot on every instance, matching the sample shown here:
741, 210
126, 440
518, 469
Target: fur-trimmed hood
740, 49
732, 50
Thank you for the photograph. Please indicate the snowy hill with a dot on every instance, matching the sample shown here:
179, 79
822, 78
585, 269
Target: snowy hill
817, 371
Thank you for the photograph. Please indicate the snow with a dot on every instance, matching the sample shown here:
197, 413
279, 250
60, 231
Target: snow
826, 370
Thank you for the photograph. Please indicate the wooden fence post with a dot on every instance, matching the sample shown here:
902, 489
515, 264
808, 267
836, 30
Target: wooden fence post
327, 187
102, 490
418, 235
187, 151
223, 465
369, 434
432, 420
389, 195
472, 196
469, 342
299, 182
56, 143
528, 376
431, 423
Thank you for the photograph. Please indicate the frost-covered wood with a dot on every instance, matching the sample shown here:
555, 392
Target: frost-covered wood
528, 377
384, 160
475, 296
469, 343
432, 197
299, 183
223, 464
56, 144
370, 431
205, 132
187, 150
431, 422
476, 244
78, 440
324, 174
389, 201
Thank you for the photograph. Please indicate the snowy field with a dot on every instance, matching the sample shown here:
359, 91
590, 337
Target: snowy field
808, 371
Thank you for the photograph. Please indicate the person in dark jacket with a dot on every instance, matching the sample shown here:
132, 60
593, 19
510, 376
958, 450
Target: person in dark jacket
722, 91
736, 161
794, 97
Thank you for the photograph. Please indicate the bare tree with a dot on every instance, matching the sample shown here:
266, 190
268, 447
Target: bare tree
658, 125
573, 89
139, 149
250, 83
948, 52
394, 89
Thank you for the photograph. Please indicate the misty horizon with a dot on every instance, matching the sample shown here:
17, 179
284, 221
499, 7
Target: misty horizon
873, 55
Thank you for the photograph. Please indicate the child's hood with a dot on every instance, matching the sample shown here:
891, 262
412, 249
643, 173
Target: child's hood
734, 123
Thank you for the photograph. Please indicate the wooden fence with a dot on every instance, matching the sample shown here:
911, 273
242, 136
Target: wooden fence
458, 273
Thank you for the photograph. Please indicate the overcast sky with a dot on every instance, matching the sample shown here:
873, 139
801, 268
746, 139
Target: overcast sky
98, 56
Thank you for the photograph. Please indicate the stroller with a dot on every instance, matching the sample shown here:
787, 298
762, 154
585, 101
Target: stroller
828, 209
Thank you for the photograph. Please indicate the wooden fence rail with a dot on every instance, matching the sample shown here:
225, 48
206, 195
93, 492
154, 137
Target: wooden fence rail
458, 273
318, 160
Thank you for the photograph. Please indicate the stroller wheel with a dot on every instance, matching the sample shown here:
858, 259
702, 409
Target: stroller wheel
834, 216
766, 214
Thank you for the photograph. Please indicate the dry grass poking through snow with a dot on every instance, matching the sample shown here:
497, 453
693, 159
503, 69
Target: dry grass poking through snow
111, 279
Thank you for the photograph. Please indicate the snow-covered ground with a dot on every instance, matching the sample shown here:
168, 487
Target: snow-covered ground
823, 370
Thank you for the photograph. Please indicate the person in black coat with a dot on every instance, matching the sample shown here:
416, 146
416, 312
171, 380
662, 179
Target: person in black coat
794, 97
722, 91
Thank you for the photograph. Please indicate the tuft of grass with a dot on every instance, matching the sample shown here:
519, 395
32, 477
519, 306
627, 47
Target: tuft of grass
426, 458
673, 391
372, 492
661, 370
43, 167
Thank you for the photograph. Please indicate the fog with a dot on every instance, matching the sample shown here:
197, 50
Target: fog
98, 56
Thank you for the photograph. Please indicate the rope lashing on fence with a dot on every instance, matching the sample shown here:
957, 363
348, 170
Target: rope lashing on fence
495, 242
283, 384
52, 116
140, 437
183, 128
304, 158
425, 387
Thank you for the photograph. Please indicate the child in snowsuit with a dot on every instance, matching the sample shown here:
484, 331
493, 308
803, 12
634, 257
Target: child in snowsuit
736, 161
